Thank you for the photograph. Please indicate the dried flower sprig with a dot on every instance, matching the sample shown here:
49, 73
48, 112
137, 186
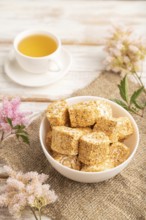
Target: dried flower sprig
26, 190
125, 53
125, 56
12, 120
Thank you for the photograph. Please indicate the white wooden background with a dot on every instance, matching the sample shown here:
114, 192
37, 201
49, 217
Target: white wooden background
82, 26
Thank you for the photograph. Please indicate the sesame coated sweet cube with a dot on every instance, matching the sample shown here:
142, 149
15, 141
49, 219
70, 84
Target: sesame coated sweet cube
124, 128
118, 153
84, 130
68, 161
57, 113
65, 139
107, 125
82, 114
49, 140
103, 109
105, 165
93, 148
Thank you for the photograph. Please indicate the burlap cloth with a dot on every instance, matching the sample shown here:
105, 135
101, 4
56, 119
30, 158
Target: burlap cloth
120, 198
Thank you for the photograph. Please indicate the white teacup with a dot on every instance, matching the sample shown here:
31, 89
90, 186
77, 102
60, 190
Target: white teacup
40, 64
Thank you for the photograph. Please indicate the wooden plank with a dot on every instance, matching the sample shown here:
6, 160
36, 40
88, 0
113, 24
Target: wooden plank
26, 99
87, 65
77, 26
76, 22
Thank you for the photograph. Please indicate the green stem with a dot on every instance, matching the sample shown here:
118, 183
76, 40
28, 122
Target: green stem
2, 136
140, 81
9, 134
33, 213
135, 112
141, 115
40, 214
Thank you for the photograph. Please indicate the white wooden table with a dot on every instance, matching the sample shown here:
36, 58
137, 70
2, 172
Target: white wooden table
82, 26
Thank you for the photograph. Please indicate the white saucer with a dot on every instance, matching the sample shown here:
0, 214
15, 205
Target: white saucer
22, 77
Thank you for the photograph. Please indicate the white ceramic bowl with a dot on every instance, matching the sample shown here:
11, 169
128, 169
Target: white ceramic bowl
92, 177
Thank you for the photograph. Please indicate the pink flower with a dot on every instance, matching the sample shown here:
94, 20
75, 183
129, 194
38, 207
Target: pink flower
26, 190
49, 194
31, 200
10, 109
15, 184
43, 177
5, 126
15, 210
3, 200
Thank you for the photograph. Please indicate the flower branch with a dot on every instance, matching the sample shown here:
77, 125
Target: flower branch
12, 120
125, 56
26, 190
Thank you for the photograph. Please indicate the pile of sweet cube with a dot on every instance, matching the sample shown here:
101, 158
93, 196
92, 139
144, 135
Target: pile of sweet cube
85, 136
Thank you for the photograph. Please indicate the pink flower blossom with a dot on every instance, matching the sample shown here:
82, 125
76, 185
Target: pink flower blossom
11, 109
31, 200
23, 190
3, 200
15, 184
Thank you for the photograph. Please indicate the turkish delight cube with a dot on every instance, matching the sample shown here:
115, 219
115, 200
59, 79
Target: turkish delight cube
118, 153
65, 140
93, 148
105, 165
57, 113
107, 125
124, 128
49, 140
68, 161
103, 109
82, 114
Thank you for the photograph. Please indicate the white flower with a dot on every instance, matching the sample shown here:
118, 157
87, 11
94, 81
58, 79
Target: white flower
109, 59
126, 59
137, 67
129, 68
15, 210
15, 184
124, 51
30, 189
31, 200
3, 200
22, 198
119, 46
43, 177
133, 48
38, 189
31, 176
115, 52
116, 69
23, 190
